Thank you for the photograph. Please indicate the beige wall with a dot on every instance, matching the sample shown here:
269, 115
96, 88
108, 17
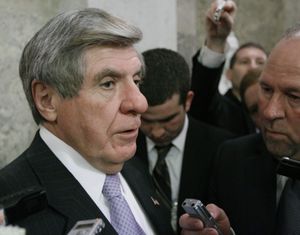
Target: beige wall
19, 20
261, 21
156, 18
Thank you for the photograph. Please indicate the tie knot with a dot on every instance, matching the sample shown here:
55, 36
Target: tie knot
162, 151
111, 187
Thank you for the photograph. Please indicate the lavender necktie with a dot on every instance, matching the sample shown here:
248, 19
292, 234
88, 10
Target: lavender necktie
122, 218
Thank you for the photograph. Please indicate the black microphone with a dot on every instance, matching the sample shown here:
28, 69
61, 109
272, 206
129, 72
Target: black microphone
289, 167
23, 203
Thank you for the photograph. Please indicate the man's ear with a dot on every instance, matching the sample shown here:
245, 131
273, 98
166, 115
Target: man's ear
45, 98
188, 101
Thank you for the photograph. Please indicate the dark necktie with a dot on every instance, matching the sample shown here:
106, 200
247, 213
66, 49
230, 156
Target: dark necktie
122, 218
161, 173
288, 213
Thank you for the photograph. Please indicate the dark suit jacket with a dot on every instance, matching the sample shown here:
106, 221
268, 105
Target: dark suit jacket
199, 150
244, 185
68, 202
224, 111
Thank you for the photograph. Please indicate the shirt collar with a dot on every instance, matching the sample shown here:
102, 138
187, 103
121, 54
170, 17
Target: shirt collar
80, 168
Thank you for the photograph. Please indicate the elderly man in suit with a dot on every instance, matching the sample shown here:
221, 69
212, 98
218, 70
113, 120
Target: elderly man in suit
81, 76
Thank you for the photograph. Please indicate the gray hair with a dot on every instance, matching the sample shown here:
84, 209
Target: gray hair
55, 55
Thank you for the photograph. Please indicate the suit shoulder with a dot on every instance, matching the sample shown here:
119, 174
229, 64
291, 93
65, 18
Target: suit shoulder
16, 176
238, 149
245, 142
209, 130
18, 163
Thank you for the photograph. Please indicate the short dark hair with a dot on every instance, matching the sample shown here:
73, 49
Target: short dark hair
167, 73
243, 46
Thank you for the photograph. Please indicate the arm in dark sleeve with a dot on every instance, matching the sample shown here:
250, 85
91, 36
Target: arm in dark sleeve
205, 82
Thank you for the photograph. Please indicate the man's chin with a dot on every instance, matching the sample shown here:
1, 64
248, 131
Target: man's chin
278, 148
129, 151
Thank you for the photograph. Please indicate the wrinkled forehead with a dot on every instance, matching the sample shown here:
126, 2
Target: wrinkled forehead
287, 52
283, 65
113, 58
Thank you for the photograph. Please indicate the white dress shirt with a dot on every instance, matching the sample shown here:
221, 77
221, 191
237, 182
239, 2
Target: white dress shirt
281, 181
210, 58
92, 180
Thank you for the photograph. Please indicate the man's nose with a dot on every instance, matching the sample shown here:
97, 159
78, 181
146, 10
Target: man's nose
274, 108
254, 64
134, 101
157, 130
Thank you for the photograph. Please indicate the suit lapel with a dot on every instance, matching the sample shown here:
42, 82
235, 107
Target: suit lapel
195, 165
64, 193
136, 175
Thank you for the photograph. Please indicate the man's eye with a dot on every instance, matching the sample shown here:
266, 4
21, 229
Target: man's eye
107, 84
261, 62
266, 90
244, 62
294, 98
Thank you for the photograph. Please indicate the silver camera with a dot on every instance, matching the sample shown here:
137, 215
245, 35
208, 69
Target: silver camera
197, 209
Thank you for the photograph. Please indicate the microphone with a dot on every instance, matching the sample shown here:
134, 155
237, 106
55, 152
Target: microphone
88, 227
289, 167
23, 203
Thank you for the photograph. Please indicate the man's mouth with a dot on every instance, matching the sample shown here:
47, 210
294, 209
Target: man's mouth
274, 133
129, 133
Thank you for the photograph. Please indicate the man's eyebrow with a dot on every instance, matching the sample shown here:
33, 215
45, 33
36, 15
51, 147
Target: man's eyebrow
108, 72
262, 83
165, 119
292, 89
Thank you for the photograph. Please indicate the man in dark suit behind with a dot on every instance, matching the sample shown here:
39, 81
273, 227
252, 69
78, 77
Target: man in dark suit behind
166, 87
81, 76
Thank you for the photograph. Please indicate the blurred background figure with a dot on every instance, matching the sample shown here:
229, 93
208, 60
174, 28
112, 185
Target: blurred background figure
209, 105
249, 89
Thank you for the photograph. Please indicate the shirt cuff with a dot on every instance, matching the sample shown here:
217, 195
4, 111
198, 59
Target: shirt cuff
209, 58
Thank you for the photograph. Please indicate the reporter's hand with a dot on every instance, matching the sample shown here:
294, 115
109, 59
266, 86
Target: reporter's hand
194, 226
217, 32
